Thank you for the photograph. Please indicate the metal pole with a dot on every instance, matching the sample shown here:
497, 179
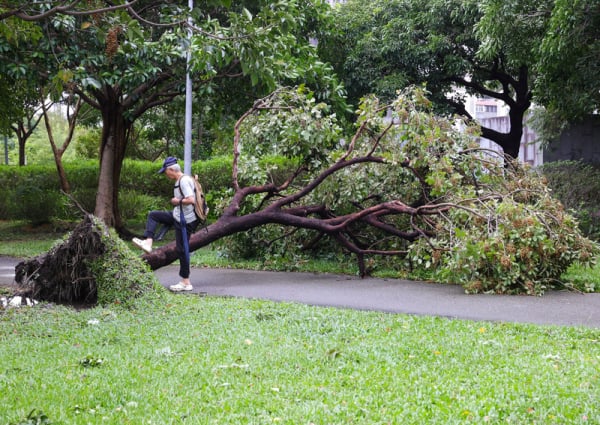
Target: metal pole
187, 148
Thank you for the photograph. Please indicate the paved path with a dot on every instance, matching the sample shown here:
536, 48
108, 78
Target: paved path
389, 295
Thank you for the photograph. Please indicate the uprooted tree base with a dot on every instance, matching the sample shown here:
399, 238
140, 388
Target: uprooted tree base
91, 266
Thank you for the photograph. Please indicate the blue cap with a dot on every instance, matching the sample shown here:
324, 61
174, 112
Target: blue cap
171, 160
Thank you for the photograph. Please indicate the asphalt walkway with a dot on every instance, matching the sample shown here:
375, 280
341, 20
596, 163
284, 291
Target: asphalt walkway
389, 295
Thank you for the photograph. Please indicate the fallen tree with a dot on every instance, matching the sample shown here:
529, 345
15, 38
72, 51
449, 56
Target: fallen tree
407, 184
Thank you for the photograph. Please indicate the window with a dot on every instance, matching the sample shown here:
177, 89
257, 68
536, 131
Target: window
486, 108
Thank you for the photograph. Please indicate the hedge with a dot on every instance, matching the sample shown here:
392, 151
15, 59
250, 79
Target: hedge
577, 185
32, 192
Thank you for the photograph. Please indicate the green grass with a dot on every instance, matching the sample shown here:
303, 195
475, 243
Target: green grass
585, 277
20, 240
208, 360
209, 257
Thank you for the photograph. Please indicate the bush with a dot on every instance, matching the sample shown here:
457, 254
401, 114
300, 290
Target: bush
8, 205
577, 184
521, 242
135, 206
35, 203
84, 196
32, 192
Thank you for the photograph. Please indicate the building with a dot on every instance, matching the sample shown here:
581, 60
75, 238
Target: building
492, 113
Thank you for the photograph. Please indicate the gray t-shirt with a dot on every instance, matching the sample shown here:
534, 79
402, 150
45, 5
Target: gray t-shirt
184, 185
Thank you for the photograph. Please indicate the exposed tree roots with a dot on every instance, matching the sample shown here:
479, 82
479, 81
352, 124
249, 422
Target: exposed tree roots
63, 274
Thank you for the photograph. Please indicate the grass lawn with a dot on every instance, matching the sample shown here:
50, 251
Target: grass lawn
205, 360
212, 360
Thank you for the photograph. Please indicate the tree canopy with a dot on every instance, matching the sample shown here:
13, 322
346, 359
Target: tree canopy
125, 61
518, 52
390, 44
562, 39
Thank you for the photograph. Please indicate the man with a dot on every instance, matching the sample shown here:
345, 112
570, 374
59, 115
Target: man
183, 201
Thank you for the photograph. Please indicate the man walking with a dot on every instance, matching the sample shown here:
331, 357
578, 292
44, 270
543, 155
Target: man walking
183, 218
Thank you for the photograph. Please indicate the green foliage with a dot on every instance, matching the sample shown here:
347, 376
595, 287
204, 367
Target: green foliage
135, 205
283, 248
559, 39
569, 58
32, 192
87, 142
577, 184
301, 131
519, 41
514, 250
34, 199
121, 276
35, 204
383, 46
499, 229
271, 46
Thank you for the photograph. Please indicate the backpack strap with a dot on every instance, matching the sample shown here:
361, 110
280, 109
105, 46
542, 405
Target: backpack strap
178, 185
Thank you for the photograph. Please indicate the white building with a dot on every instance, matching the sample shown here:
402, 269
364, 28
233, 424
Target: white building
492, 113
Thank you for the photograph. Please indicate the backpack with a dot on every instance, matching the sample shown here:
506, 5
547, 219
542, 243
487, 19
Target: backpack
200, 206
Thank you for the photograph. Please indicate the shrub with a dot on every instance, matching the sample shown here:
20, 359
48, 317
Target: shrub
8, 205
135, 206
577, 184
34, 204
520, 243
32, 192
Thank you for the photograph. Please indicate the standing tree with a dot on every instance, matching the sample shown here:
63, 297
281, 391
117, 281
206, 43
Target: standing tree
72, 112
127, 61
562, 39
25, 125
20, 105
383, 45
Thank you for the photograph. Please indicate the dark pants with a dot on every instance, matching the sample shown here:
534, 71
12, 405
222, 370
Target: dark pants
165, 217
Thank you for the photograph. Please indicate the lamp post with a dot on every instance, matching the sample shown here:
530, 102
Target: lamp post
187, 147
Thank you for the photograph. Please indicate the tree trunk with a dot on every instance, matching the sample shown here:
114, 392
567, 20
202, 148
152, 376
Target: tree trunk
509, 142
21, 141
23, 130
59, 152
112, 151
518, 103
22, 135
64, 182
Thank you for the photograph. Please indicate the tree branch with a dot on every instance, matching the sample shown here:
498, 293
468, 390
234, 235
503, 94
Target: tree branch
66, 9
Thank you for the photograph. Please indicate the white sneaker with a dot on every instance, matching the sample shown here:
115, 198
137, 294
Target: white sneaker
145, 245
180, 287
